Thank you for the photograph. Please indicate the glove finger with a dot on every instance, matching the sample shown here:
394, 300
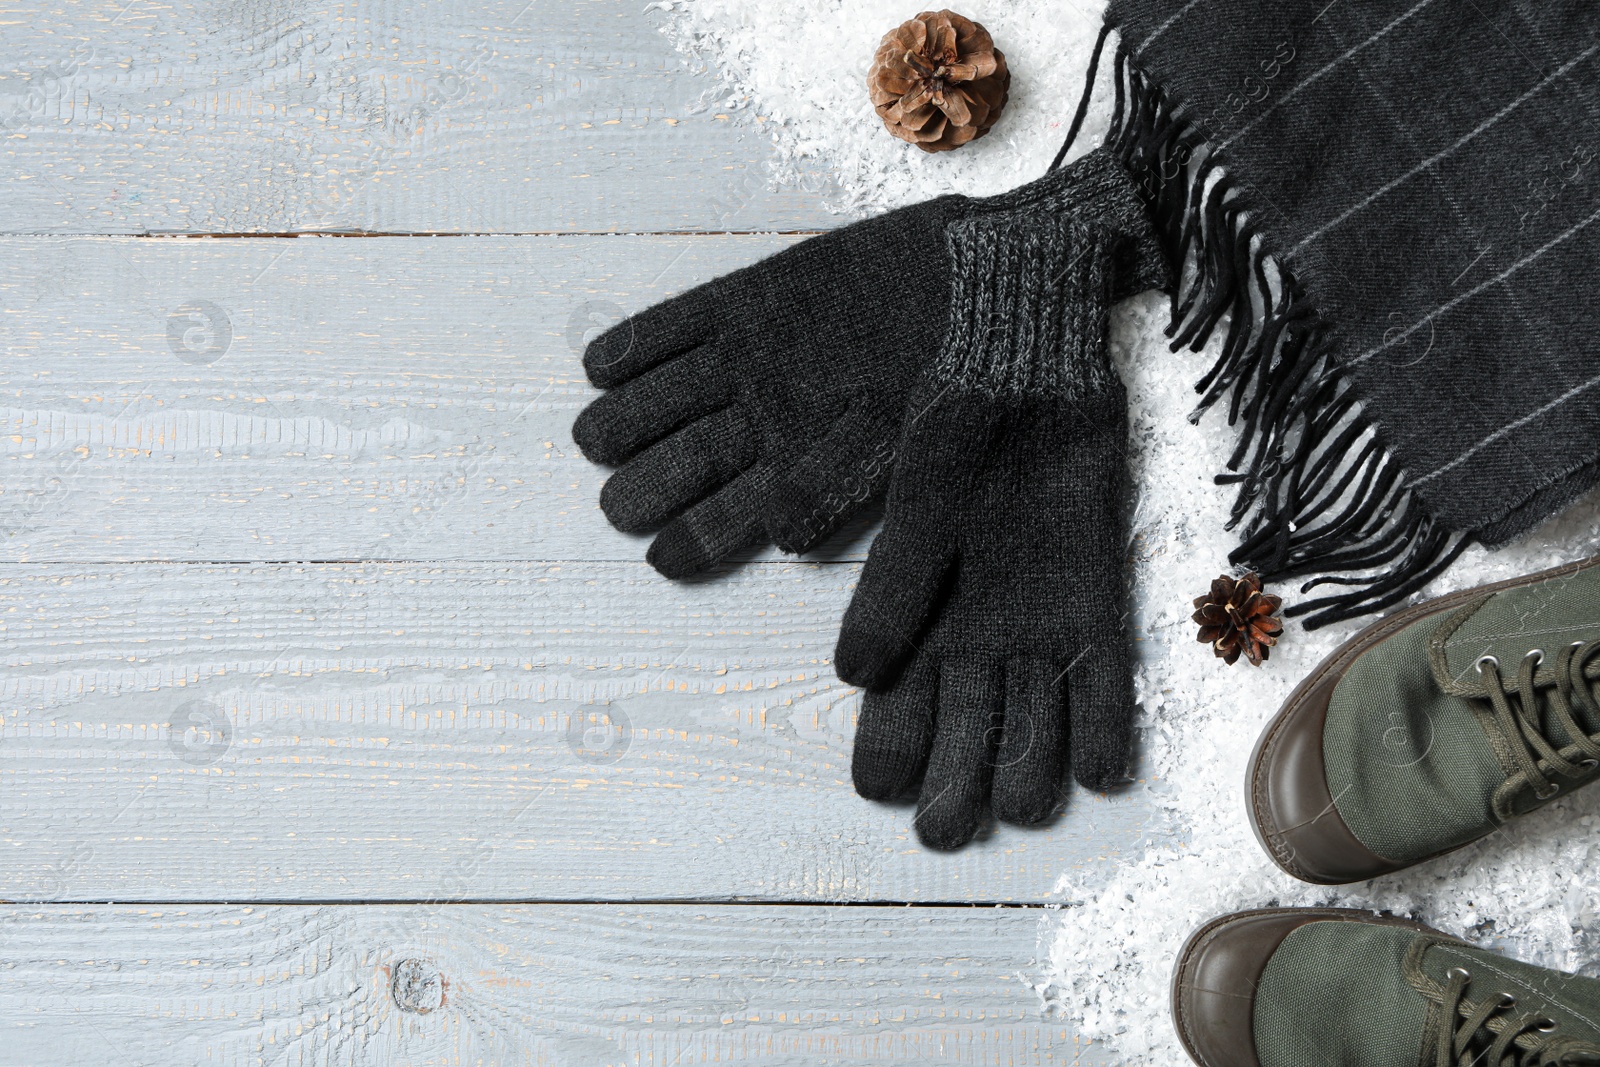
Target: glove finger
1100, 714
720, 525
671, 475
961, 766
833, 481
637, 414
885, 622
895, 732
1028, 768
644, 341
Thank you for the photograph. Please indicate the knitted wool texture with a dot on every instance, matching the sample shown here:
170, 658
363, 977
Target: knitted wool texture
766, 404
988, 624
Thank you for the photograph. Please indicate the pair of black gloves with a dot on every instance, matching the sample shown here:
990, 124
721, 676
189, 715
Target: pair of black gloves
953, 353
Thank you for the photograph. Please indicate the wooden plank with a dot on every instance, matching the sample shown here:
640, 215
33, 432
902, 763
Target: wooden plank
571, 985
514, 116
319, 398
463, 731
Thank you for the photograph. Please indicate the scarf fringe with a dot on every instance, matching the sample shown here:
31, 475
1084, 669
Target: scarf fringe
1318, 491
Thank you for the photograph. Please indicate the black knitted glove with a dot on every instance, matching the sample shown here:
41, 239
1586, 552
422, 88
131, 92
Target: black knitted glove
765, 404
988, 626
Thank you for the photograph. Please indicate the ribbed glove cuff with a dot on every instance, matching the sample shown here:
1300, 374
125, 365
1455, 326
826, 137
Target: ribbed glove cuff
1028, 305
1096, 187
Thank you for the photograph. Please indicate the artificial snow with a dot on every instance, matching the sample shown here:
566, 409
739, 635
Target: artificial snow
800, 66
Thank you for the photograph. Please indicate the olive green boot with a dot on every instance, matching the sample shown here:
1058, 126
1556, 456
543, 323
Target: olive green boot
1325, 988
1434, 727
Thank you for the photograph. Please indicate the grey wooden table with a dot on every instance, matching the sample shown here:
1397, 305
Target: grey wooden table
338, 727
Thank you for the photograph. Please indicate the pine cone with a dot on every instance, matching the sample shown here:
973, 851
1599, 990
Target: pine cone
1238, 618
938, 81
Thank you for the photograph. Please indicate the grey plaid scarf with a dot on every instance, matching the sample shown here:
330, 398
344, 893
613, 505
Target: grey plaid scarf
1395, 206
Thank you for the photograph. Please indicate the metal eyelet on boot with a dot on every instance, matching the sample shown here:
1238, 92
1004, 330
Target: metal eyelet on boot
1342, 768
1548, 1026
1466, 975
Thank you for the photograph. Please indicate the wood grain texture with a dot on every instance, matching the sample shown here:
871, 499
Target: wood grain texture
491, 116
585, 986
459, 724
317, 398
469, 731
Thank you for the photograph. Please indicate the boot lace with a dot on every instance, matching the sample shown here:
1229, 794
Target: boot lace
1494, 1033
1526, 726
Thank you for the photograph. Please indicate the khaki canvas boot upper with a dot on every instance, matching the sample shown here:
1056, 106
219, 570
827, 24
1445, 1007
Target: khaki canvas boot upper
1435, 727
1328, 988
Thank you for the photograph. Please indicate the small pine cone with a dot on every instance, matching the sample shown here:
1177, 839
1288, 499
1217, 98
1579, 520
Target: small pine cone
1236, 618
938, 81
